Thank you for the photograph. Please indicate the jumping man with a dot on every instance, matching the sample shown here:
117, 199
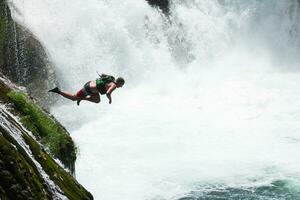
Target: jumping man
106, 84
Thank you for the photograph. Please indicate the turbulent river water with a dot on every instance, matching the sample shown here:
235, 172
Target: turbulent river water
211, 104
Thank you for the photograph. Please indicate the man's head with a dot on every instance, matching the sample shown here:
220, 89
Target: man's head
120, 82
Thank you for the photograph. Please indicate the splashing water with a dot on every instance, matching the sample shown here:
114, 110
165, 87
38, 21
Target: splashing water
211, 103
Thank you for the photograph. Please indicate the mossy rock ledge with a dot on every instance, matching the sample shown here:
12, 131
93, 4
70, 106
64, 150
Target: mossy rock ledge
29, 140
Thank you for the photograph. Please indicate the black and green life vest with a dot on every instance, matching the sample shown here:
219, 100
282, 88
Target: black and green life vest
102, 81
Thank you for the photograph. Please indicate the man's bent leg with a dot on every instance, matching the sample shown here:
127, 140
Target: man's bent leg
95, 98
68, 95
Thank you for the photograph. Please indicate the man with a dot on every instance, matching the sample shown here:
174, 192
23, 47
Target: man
106, 84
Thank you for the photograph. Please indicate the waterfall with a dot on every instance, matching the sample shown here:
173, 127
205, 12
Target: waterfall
210, 107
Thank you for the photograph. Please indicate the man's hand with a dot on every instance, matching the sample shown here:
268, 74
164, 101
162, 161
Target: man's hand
109, 97
109, 91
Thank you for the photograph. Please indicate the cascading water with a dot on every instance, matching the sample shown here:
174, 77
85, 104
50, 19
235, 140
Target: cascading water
13, 125
210, 107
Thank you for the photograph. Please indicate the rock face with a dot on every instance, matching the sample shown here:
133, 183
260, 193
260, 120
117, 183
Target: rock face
163, 5
27, 169
30, 138
19, 179
23, 59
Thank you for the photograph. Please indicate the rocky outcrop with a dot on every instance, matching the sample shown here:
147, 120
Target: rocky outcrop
29, 139
37, 154
23, 59
163, 5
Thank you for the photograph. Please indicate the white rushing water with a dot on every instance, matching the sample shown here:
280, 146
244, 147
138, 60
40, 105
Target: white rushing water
211, 95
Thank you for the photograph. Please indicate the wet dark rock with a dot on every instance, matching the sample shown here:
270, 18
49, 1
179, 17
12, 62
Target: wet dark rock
5, 173
26, 193
23, 58
163, 5
15, 188
20, 178
25, 62
1, 164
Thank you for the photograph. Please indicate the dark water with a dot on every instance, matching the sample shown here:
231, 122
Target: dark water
280, 189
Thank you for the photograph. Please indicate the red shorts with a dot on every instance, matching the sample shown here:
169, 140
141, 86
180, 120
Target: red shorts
81, 93
85, 91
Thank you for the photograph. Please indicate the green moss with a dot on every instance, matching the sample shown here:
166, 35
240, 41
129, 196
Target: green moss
52, 134
64, 180
19, 179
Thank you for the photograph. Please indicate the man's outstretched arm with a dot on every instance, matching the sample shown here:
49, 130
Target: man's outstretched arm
109, 91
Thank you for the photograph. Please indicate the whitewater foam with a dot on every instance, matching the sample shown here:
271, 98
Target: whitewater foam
210, 98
